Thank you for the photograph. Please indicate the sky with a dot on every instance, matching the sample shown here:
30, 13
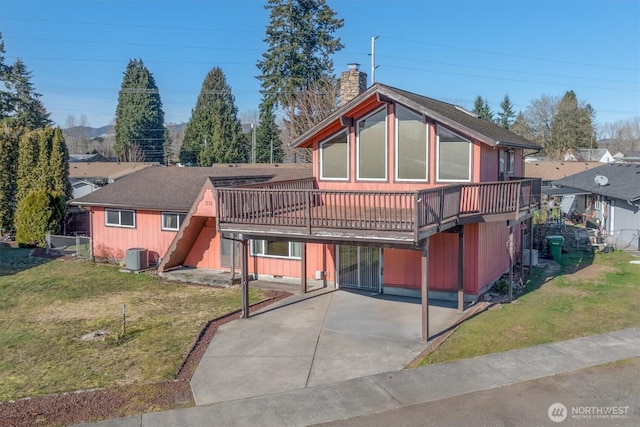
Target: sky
453, 51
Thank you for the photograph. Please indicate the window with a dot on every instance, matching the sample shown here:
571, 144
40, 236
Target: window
511, 162
278, 249
334, 157
372, 146
411, 146
171, 221
454, 156
120, 218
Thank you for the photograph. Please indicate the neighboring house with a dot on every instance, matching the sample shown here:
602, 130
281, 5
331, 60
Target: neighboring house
102, 173
613, 197
406, 195
600, 155
629, 157
548, 171
93, 157
88, 176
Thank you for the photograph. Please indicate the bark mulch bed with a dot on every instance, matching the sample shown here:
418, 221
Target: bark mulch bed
94, 405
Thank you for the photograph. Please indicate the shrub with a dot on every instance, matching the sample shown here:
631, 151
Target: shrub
38, 213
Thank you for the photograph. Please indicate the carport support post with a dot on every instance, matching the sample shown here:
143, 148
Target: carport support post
530, 247
460, 272
424, 265
521, 278
245, 278
511, 256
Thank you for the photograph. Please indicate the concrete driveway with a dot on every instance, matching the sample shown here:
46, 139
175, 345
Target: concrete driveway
313, 339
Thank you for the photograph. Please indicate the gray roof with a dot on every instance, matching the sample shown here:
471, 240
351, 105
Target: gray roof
450, 115
623, 181
175, 188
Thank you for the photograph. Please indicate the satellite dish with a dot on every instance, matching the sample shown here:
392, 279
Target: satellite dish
601, 180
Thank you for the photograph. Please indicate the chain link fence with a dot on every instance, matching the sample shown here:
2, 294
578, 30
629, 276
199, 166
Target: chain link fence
78, 246
626, 239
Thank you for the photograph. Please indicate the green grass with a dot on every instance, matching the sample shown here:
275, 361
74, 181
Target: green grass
47, 305
590, 295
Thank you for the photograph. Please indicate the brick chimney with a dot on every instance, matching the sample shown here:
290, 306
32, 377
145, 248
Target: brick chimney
352, 83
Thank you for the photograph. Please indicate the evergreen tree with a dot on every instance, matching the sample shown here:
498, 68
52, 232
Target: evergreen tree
214, 134
8, 173
506, 115
268, 144
139, 116
572, 127
21, 105
38, 213
168, 148
300, 43
28, 163
58, 167
481, 109
5, 99
43, 164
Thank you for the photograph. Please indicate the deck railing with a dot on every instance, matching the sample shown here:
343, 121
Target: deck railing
295, 205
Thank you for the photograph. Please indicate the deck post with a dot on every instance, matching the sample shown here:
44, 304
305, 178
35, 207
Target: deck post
530, 246
522, 230
245, 278
424, 265
461, 271
303, 268
510, 246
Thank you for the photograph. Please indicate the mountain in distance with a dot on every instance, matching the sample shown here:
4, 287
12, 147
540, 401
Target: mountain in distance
85, 139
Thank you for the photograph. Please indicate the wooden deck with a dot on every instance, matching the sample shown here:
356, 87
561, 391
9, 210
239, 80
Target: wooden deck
300, 212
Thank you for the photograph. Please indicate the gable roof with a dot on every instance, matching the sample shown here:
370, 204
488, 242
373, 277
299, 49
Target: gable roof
591, 154
623, 181
449, 115
550, 170
176, 188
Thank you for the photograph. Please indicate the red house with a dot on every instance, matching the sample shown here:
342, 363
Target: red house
407, 195
411, 196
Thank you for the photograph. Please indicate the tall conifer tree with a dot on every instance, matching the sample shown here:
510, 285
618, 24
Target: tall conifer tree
139, 116
481, 109
268, 144
214, 134
506, 116
300, 41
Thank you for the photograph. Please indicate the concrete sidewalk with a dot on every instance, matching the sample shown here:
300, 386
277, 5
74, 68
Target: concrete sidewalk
396, 389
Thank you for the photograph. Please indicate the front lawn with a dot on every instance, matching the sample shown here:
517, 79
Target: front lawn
588, 295
46, 306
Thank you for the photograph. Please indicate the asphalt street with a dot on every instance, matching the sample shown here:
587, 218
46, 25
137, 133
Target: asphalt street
605, 395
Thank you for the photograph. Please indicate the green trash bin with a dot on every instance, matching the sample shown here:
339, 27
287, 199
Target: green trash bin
555, 244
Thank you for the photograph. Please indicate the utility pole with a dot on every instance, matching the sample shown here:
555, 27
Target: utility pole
373, 59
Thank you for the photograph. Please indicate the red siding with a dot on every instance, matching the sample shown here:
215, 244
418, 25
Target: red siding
111, 243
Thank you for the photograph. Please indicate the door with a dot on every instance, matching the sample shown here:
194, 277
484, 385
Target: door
360, 267
228, 250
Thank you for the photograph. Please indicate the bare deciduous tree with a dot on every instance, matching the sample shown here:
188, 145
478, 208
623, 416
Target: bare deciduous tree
307, 108
131, 153
624, 135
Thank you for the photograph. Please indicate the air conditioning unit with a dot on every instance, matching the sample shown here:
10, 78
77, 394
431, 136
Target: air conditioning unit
137, 259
